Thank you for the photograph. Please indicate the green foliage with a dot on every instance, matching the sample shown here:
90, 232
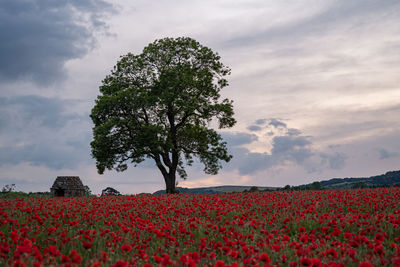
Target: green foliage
158, 105
13, 195
39, 194
388, 179
359, 185
316, 186
312, 186
109, 191
88, 192
253, 189
287, 187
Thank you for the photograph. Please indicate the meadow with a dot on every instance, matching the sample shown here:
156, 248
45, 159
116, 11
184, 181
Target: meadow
279, 228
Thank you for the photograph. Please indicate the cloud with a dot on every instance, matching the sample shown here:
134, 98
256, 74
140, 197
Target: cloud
289, 147
260, 121
277, 123
50, 154
318, 21
293, 132
292, 148
38, 37
238, 138
249, 163
254, 128
335, 160
270, 122
21, 111
284, 150
385, 154
253, 162
43, 132
284, 144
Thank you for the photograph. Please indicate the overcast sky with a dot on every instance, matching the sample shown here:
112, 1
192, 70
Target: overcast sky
315, 85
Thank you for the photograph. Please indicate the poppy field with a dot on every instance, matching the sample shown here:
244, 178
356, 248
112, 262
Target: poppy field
278, 228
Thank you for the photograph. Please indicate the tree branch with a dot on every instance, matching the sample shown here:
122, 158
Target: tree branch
166, 159
160, 165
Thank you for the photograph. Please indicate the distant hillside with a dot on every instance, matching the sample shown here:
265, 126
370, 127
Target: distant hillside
388, 179
391, 178
217, 189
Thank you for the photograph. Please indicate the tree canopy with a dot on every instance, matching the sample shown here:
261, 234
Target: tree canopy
158, 105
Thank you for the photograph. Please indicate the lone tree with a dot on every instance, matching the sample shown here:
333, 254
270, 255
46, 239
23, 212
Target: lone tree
159, 105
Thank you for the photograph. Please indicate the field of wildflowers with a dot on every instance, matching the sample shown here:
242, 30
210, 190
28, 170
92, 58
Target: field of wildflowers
281, 228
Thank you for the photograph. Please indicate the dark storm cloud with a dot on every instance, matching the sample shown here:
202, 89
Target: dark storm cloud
337, 13
385, 154
40, 131
39, 36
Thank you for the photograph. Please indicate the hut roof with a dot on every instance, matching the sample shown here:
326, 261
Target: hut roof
68, 182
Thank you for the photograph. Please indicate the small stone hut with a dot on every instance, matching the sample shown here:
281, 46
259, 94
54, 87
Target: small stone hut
67, 186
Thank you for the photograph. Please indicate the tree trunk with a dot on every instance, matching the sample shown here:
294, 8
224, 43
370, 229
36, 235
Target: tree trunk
170, 179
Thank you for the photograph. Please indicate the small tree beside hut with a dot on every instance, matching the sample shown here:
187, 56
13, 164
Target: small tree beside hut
109, 191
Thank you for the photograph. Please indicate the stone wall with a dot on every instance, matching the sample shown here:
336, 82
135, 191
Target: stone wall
67, 186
